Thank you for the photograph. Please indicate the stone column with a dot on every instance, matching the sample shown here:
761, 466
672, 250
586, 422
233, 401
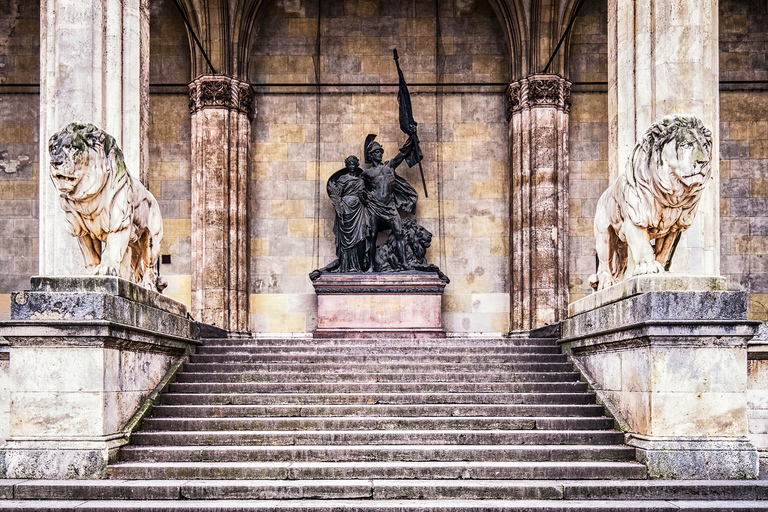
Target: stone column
663, 59
222, 109
538, 133
94, 61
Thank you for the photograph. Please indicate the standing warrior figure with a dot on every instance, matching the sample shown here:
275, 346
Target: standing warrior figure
385, 193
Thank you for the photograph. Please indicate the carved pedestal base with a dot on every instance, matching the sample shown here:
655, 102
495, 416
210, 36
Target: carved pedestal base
407, 304
84, 356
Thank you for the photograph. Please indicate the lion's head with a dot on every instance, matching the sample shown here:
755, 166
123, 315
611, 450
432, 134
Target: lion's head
82, 157
419, 239
674, 158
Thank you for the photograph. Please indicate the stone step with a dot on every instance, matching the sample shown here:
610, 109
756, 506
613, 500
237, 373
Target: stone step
331, 377
383, 505
380, 453
340, 437
376, 398
559, 491
378, 423
236, 411
378, 387
375, 367
378, 358
382, 341
385, 470
384, 349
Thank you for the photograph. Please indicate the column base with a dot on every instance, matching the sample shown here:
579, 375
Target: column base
696, 458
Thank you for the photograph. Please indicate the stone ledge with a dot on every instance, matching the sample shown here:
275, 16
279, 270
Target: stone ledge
660, 307
646, 283
410, 282
673, 333
71, 300
100, 333
111, 286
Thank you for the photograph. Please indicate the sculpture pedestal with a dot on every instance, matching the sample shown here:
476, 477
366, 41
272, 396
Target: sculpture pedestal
407, 304
84, 354
671, 367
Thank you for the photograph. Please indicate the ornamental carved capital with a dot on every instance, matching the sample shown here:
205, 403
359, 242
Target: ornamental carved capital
534, 91
215, 91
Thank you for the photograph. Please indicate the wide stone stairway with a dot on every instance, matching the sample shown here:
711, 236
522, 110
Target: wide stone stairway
453, 424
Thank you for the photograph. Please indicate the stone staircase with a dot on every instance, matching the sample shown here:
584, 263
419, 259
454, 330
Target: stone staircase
305, 424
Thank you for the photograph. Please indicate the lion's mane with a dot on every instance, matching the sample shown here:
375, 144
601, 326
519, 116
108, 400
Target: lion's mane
657, 200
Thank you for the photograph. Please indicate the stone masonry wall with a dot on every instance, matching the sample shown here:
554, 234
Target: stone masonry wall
170, 142
463, 133
19, 135
587, 138
744, 149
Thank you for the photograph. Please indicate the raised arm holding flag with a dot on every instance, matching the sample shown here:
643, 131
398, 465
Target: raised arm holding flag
408, 124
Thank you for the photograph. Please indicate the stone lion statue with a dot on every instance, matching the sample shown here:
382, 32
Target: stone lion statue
417, 241
105, 205
654, 199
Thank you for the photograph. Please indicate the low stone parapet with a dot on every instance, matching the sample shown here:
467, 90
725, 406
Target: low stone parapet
671, 366
83, 355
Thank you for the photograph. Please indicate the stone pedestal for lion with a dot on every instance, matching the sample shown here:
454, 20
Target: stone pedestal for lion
85, 358
667, 355
407, 304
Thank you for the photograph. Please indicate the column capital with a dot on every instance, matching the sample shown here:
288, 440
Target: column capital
538, 91
220, 91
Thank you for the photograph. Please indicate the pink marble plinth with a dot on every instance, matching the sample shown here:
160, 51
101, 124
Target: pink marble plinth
404, 304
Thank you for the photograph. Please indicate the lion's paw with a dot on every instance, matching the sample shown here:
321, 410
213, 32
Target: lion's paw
105, 270
601, 281
648, 267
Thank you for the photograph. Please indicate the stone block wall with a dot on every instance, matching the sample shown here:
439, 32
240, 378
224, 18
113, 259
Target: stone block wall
295, 150
170, 142
744, 195
744, 150
587, 138
292, 217
19, 136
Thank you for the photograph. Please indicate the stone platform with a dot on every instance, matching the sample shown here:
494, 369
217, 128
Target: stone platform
407, 304
84, 356
667, 355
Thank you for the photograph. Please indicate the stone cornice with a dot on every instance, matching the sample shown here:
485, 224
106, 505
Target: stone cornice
218, 91
538, 91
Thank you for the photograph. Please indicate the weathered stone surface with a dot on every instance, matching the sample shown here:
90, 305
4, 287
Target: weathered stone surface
109, 299
671, 368
702, 458
637, 285
121, 338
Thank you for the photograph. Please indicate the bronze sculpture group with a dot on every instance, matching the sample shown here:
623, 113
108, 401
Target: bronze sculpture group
366, 201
